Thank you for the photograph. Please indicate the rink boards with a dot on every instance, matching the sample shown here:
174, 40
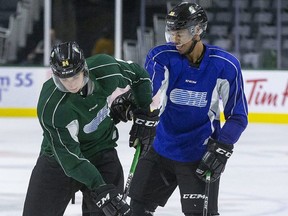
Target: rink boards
266, 93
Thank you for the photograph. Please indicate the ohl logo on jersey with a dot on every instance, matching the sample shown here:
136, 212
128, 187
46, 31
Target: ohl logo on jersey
188, 98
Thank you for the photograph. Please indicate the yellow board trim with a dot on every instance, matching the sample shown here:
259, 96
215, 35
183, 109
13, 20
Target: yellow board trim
252, 117
18, 112
265, 118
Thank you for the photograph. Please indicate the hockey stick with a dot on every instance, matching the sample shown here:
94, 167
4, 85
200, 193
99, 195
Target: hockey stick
132, 170
206, 194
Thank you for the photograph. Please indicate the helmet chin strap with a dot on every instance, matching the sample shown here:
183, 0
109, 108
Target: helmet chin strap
84, 90
190, 50
87, 89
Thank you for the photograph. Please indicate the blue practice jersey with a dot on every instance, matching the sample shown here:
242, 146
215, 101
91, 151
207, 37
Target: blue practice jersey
189, 100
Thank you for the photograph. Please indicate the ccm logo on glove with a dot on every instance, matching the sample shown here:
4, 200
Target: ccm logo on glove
146, 122
103, 200
223, 152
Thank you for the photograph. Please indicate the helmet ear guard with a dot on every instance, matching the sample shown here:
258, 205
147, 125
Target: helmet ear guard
198, 30
202, 29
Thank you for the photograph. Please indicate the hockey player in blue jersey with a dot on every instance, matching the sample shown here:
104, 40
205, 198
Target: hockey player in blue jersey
189, 78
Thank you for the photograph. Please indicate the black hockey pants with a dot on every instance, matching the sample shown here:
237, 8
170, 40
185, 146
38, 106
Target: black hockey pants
50, 190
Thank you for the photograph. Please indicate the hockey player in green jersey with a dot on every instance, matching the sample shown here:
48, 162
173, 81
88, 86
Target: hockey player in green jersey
79, 134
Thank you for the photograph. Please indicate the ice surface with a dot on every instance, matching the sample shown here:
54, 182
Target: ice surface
253, 184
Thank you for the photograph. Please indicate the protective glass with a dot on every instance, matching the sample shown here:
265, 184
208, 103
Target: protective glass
179, 37
62, 88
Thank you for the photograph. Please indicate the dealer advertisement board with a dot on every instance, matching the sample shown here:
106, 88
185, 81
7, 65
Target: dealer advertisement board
267, 96
266, 92
20, 88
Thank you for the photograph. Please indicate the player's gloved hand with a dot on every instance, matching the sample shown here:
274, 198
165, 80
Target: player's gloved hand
110, 201
122, 107
214, 160
144, 128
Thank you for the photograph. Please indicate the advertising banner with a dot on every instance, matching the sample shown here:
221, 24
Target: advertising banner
20, 88
266, 92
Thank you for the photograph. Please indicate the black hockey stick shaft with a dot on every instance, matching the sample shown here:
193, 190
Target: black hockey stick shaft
206, 194
132, 170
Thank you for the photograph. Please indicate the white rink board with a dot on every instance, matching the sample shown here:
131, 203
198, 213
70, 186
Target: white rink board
266, 91
20, 87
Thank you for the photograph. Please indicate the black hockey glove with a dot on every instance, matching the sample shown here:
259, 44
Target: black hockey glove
214, 160
144, 128
110, 201
122, 107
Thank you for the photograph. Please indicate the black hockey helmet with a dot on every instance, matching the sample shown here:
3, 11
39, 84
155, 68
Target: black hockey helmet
67, 60
187, 16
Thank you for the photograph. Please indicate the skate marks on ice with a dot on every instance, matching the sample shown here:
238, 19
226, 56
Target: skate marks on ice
253, 184
245, 204
255, 180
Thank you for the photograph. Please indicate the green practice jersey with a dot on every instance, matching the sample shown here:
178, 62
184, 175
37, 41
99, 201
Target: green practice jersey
75, 127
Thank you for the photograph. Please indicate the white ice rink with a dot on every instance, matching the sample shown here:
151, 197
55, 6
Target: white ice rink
255, 182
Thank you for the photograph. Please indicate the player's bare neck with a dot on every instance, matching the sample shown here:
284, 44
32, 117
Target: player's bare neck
196, 55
